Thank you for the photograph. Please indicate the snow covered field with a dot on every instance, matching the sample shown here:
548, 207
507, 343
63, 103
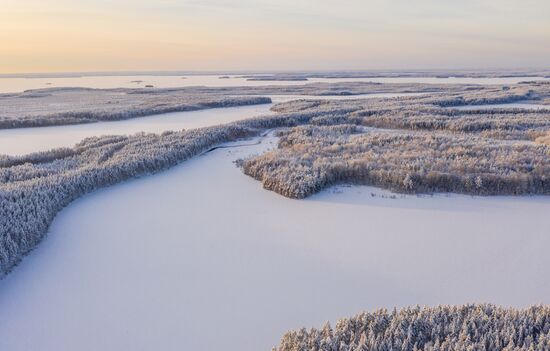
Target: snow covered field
200, 257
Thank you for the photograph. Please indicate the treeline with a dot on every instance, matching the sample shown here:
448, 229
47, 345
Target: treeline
26, 110
510, 124
441, 328
415, 73
501, 95
276, 78
544, 139
311, 158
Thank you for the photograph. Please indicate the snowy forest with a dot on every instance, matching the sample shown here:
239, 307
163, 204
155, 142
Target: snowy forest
413, 144
62, 106
442, 328
410, 144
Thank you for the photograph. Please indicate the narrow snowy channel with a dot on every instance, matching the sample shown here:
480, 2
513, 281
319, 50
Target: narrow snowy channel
200, 257
22, 141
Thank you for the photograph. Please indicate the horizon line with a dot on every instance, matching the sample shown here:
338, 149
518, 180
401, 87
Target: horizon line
74, 74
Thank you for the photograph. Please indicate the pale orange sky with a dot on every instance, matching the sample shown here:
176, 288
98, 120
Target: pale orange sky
101, 35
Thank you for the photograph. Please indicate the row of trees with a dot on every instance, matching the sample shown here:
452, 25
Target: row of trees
504, 124
441, 328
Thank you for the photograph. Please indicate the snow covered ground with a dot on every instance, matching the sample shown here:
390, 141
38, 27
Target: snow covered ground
200, 257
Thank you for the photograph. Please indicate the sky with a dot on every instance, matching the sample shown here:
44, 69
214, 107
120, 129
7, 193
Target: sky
128, 35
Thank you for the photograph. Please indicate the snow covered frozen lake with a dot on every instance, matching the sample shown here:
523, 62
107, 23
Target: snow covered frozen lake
200, 257
10, 85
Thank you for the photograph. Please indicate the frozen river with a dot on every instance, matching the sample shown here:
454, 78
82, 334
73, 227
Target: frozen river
26, 140
200, 257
